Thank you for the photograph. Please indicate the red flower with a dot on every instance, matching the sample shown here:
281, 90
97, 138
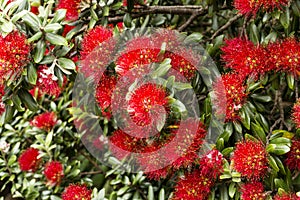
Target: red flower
296, 113
211, 165
285, 56
72, 7
145, 103
230, 96
253, 190
183, 62
47, 83
286, 196
293, 156
14, 54
45, 121
250, 7
93, 38
250, 159
29, 160
193, 186
123, 144
184, 147
77, 192
139, 52
34, 9
54, 172
2, 105
103, 94
244, 58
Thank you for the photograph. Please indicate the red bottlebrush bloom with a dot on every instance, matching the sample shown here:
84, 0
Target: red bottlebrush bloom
93, 38
145, 103
193, 186
2, 105
211, 165
67, 29
254, 190
29, 160
296, 114
72, 7
286, 196
104, 92
139, 52
77, 192
54, 172
45, 121
293, 156
244, 58
122, 144
285, 56
249, 7
14, 54
250, 159
230, 96
184, 147
182, 64
34, 9
154, 161
47, 83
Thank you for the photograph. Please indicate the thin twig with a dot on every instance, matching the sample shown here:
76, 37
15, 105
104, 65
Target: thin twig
142, 11
91, 160
225, 26
91, 173
189, 21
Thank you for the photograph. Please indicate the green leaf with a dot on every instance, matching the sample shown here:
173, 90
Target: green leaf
261, 98
279, 183
49, 139
56, 39
52, 27
232, 189
254, 33
66, 63
285, 18
281, 140
278, 149
39, 51
7, 27
161, 195
272, 163
28, 100
59, 15
32, 20
31, 74
291, 81
227, 151
12, 160
237, 126
258, 131
150, 193
127, 20
35, 37
122, 190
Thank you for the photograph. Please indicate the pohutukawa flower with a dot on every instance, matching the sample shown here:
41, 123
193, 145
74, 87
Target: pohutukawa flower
253, 190
29, 160
249, 7
45, 121
181, 63
104, 92
245, 58
146, 102
72, 7
250, 159
286, 196
211, 165
2, 105
123, 144
54, 172
14, 54
77, 192
230, 96
47, 83
93, 38
293, 156
183, 148
193, 186
139, 52
296, 113
285, 56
